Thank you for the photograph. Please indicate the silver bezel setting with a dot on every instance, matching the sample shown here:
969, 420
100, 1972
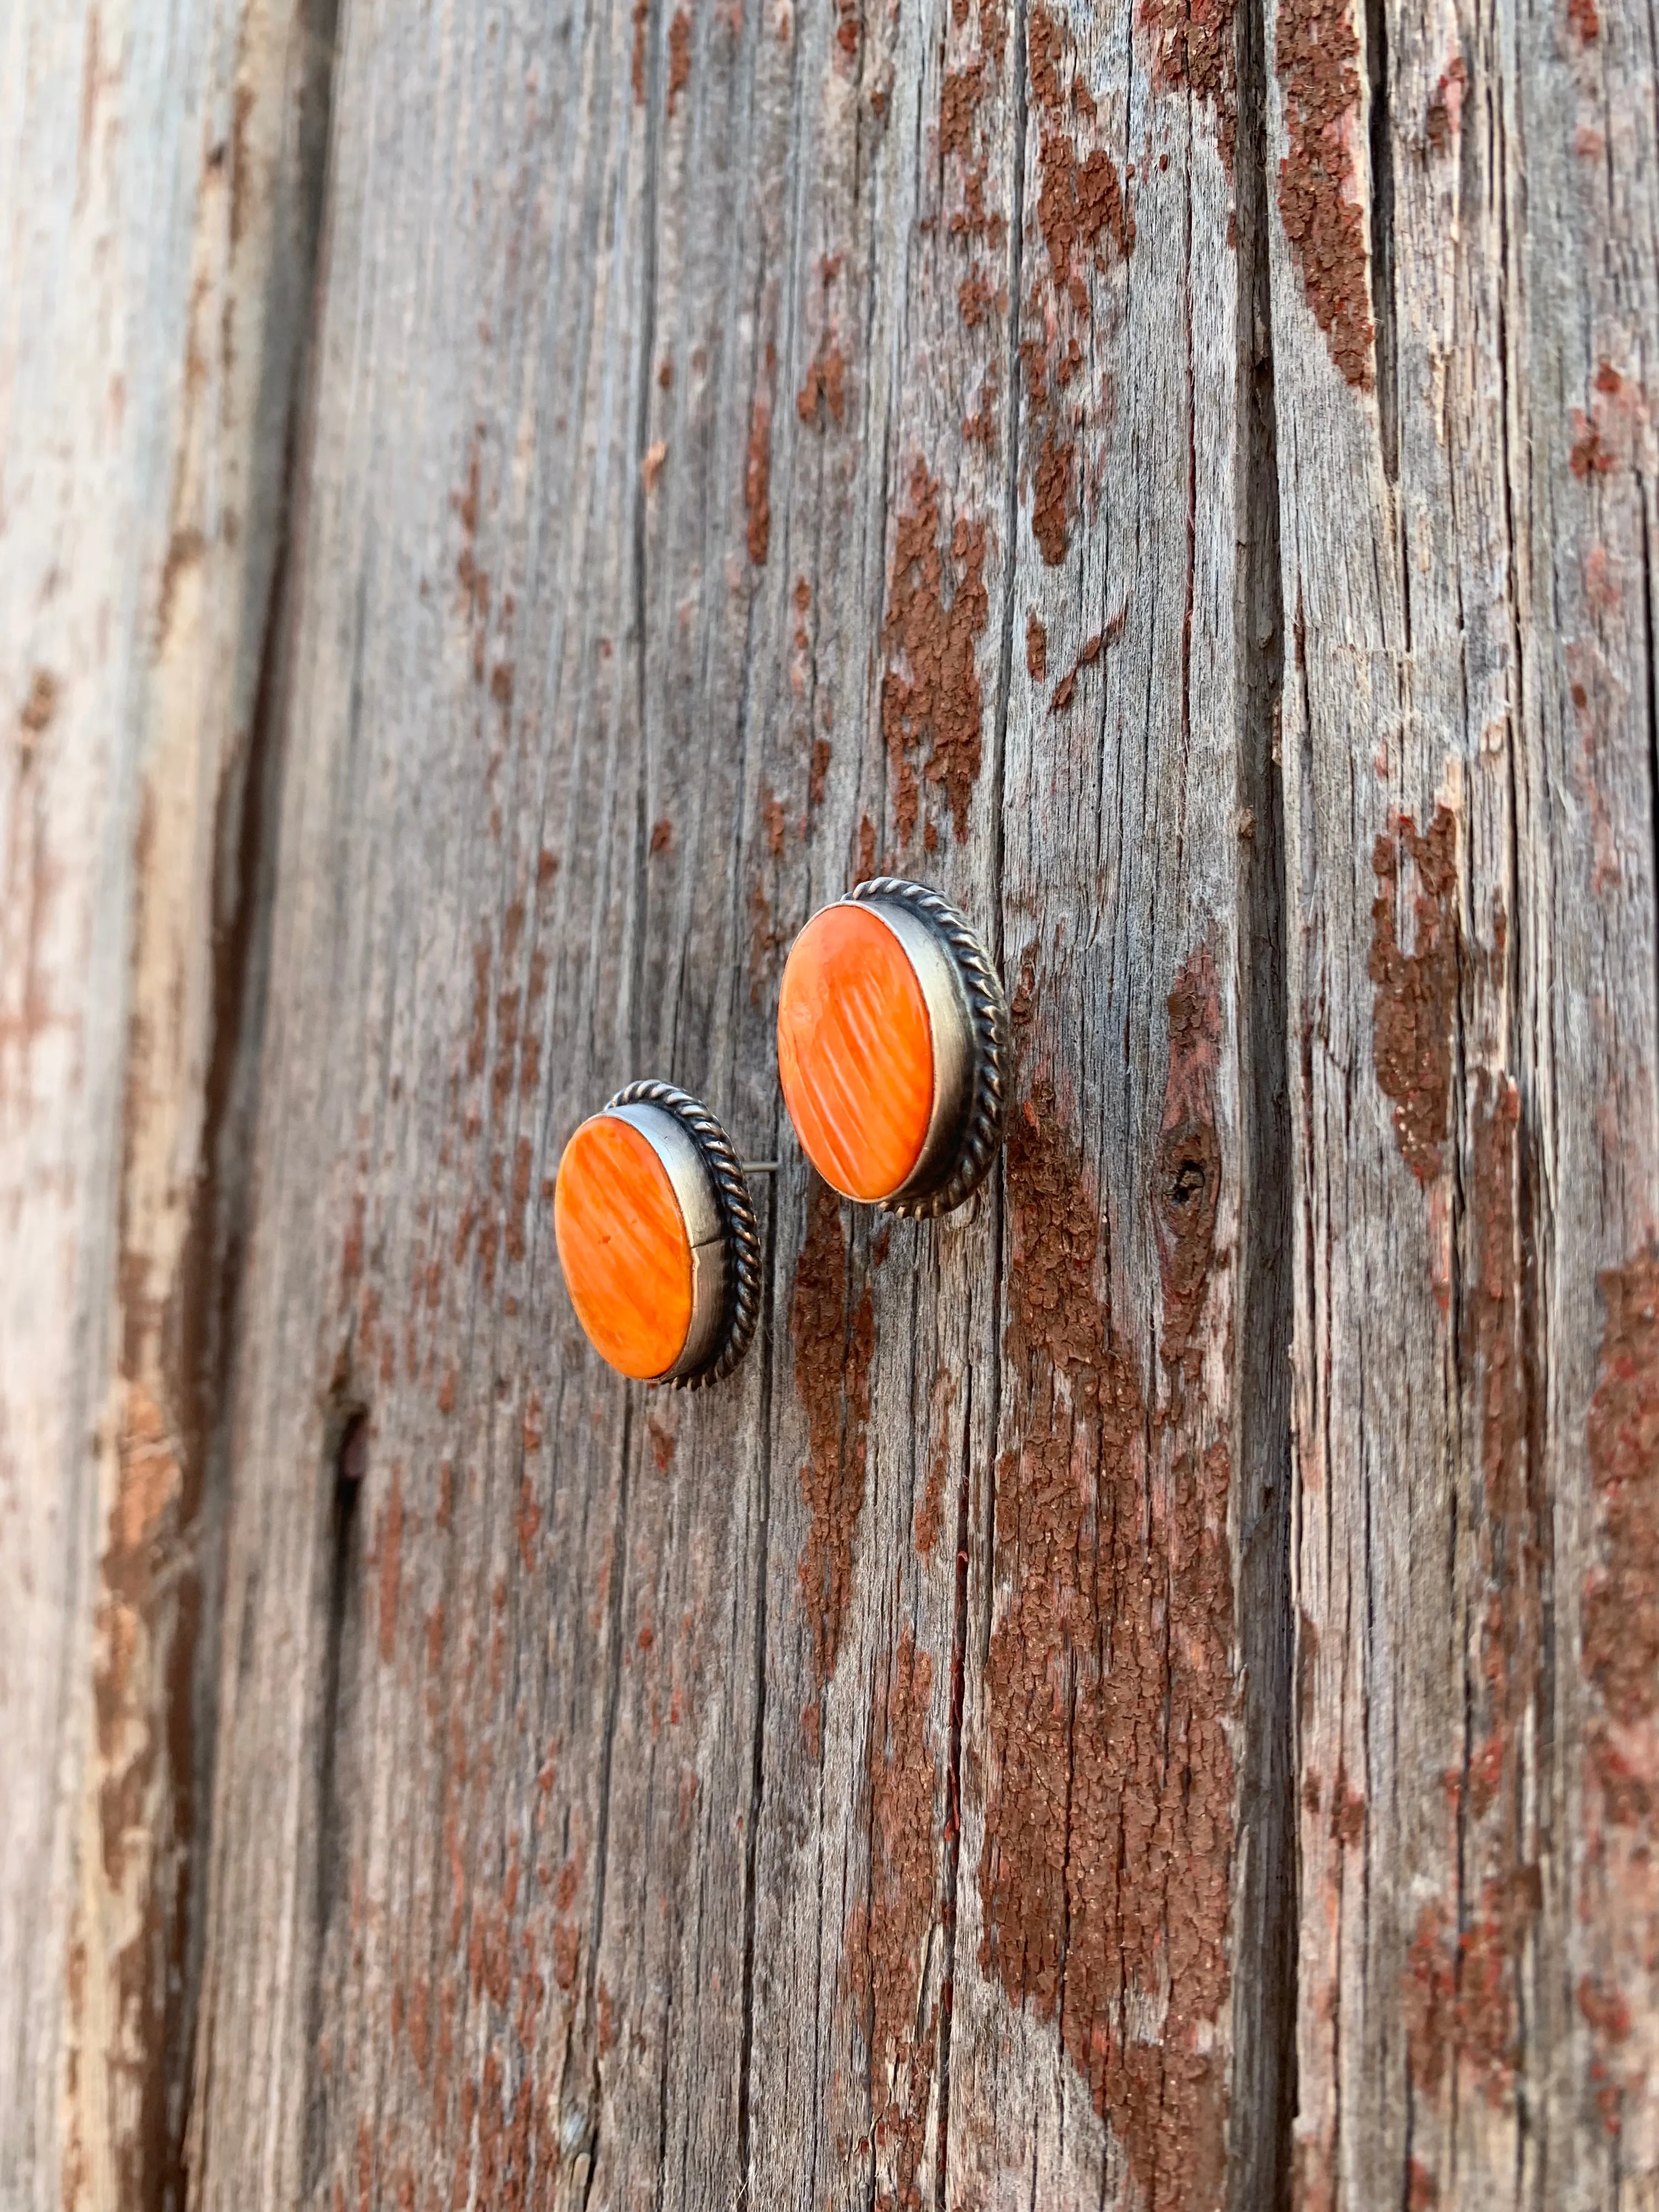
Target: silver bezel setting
968, 1015
720, 1220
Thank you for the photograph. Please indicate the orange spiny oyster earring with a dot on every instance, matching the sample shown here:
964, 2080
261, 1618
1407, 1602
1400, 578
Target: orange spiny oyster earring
657, 1238
893, 1048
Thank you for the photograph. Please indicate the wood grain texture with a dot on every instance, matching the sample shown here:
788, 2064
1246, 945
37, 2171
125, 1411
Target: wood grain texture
748, 1799
1464, 315
157, 203
1140, 1695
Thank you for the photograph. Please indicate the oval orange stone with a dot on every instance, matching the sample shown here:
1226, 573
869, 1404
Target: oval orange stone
623, 1247
855, 1052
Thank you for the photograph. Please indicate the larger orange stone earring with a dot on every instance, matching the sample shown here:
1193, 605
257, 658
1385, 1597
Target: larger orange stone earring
893, 1048
657, 1238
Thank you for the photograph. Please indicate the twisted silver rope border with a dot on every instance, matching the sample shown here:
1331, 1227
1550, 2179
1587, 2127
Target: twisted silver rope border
741, 1309
988, 1006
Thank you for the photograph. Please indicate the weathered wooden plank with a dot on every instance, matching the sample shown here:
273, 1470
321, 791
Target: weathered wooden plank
159, 177
1463, 307
1121, 1881
657, 582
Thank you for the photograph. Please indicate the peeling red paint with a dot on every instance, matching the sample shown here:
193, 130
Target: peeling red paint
757, 468
1104, 1875
1195, 50
1036, 649
1445, 114
1080, 206
641, 21
931, 689
1415, 999
886, 1945
930, 1513
833, 1350
1463, 1991
1621, 1599
1619, 1882
1186, 1169
1317, 55
679, 56
822, 397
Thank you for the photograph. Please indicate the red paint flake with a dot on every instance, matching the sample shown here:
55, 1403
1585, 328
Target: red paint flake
958, 109
1047, 43
1052, 487
1317, 55
1446, 105
833, 1350
1081, 204
662, 834
939, 698
1463, 2000
663, 1441
818, 774
758, 470
974, 297
1414, 998
1196, 51
1589, 456
764, 939
930, 1513
679, 56
1605, 2009
1186, 1172
887, 1936
641, 18
1585, 19
1036, 649
1104, 1876
1458, 1995
1621, 1599
866, 859
822, 398
527, 1521
848, 32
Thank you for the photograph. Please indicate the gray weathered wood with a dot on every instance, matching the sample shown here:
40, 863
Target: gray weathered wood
157, 206
1141, 1695
670, 1801
1468, 743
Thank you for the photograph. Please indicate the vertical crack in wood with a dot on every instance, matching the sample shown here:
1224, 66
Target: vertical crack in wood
1381, 212
344, 1561
213, 1260
1263, 2087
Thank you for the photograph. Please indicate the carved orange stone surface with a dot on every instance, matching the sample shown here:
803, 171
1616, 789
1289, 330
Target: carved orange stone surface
855, 1052
623, 1247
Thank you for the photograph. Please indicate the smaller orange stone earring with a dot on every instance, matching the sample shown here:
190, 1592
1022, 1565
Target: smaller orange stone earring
893, 1048
657, 1238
